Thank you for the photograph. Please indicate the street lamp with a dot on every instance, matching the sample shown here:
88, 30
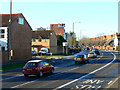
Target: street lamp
10, 57
73, 31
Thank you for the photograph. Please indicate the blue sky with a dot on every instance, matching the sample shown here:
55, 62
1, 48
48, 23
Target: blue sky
95, 17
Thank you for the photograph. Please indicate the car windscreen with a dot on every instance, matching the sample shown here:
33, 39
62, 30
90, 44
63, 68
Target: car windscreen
31, 64
91, 53
80, 56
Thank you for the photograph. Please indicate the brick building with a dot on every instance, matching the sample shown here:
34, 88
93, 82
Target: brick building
21, 36
107, 37
111, 41
44, 38
58, 28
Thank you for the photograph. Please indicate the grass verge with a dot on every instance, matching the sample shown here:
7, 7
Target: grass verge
12, 66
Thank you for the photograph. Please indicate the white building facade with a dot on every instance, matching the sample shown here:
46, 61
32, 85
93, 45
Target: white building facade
117, 41
3, 38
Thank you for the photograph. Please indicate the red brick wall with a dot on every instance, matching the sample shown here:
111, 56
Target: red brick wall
58, 31
21, 40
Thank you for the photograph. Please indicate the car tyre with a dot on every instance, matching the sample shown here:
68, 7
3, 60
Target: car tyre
52, 71
41, 74
87, 61
25, 75
75, 62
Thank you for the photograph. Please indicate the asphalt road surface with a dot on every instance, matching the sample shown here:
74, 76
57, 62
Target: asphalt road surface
102, 72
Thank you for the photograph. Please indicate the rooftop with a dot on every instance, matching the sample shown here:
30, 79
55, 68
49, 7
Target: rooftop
44, 34
6, 19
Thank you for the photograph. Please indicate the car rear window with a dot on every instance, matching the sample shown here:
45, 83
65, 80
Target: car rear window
80, 56
31, 64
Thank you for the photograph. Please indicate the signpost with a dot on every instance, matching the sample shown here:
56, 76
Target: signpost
65, 45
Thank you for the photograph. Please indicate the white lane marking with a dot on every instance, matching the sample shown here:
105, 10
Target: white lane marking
73, 69
11, 77
110, 82
96, 81
86, 74
24, 84
113, 82
36, 80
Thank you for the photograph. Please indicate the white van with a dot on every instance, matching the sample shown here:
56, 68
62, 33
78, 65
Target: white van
43, 51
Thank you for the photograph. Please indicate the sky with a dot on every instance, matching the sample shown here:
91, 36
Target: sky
95, 16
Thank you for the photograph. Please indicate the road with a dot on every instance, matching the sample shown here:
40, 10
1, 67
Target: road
102, 72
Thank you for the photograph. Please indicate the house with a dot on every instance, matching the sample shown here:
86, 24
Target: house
44, 38
59, 29
109, 41
21, 36
117, 41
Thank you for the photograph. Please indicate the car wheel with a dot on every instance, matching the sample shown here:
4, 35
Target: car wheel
52, 71
87, 61
41, 74
25, 75
75, 62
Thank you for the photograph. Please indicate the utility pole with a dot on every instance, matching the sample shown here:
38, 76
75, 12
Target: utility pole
10, 49
73, 36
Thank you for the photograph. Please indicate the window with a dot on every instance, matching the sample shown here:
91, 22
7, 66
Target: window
41, 64
45, 40
46, 64
2, 36
2, 31
21, 21
3, 48
33, 40
40, 40
31, 64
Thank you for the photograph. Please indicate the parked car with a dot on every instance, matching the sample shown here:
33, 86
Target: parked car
34, 53
37, 67
92, 55
96, 51
81, 59
43, 51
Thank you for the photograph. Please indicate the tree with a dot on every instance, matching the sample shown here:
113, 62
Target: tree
85, 41
60, 40
72, 41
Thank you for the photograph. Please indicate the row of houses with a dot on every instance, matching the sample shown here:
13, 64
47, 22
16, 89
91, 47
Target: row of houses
22, 39
109, 41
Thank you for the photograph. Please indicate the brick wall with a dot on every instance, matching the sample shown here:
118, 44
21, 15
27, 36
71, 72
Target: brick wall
58, 31
21, 40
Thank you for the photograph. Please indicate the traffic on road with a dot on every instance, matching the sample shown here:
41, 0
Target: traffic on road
100, 72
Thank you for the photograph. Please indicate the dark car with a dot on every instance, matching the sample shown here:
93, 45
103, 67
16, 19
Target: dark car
96, 51
37, 67
81, 59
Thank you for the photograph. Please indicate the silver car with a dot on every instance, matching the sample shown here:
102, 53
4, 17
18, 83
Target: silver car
92, 55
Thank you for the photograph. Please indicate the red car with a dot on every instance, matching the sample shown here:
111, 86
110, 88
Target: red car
37, 67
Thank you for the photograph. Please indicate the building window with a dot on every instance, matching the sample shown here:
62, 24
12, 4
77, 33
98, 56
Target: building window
45, 40
21, 21
2, 31
40, 40
3, 48
2, 36
33, 40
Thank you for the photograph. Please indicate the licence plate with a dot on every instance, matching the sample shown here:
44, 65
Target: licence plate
29, 69
79, 59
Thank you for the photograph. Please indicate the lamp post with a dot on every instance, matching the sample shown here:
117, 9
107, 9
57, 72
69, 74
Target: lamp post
73, 32
10, 56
